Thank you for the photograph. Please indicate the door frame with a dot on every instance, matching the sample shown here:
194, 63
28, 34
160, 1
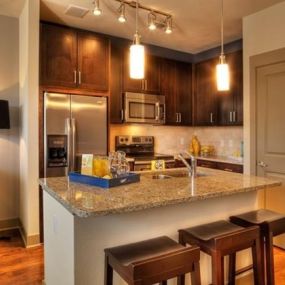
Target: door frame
256, 62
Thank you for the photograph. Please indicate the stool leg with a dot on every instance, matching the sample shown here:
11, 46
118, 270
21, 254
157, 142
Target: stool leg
232, 269
262, 255
269, 259
181, 278
108, 272
217, 268
163, 283
195, 275
257, 263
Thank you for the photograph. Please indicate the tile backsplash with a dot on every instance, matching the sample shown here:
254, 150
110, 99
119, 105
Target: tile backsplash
172, 140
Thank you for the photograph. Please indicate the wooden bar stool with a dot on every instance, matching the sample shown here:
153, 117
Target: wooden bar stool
152, 261
271, 224
223, 238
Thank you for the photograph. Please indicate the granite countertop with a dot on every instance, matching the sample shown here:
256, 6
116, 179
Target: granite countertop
84, 201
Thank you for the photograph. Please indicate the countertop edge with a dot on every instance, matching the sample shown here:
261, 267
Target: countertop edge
85, 214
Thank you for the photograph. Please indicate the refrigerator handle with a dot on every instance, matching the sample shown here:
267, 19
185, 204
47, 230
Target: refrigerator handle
69, 147
73, 138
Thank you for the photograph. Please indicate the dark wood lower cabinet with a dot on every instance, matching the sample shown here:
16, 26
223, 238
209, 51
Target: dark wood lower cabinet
230, 167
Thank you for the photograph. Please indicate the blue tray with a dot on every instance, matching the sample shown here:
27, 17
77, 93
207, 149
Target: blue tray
102, 182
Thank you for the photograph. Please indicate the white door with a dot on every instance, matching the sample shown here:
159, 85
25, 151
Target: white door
270, 87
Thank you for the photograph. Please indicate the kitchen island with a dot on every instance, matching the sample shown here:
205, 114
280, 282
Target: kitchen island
80, 220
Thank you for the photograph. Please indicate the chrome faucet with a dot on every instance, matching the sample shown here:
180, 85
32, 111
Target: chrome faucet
191, 168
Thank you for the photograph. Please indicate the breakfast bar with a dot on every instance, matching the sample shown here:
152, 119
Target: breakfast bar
80, 221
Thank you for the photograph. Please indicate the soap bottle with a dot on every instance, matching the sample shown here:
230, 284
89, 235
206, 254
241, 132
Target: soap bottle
196, 146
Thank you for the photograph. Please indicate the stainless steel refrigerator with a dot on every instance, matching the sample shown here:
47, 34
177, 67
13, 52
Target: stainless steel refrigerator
74, 125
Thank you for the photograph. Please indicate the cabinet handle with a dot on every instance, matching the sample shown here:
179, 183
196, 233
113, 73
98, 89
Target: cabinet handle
145, 84
74, 76
142, 84
231, 117
180, 118
122, 115
234, 116
211, 118
228, 169
79, 77
177, 118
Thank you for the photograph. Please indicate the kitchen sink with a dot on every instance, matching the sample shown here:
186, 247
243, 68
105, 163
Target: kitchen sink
175, 175
161, 176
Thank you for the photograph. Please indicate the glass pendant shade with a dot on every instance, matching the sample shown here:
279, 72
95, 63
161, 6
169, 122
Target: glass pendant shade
137, 61
223, 75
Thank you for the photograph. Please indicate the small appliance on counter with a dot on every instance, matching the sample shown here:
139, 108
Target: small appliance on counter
141, 149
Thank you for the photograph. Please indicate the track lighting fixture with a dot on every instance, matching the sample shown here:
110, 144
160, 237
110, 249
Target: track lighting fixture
168, 25
122, 13
157, 19
151, 21
222, 73
97, 11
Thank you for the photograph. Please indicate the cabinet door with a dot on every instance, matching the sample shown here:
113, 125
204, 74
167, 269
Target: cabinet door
167, 88
205, 96
130, 85
93, 62
230, 110
116, 95
58, 56
184, 92
152, 73
238, 88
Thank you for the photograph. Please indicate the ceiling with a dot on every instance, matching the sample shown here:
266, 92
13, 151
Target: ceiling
11, 8
196, 22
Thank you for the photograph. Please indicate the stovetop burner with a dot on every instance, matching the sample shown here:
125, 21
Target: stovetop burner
141, 148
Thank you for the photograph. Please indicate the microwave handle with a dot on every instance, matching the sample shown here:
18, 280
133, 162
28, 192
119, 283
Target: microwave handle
158, 114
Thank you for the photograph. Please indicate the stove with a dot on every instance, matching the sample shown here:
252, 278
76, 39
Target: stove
141, 149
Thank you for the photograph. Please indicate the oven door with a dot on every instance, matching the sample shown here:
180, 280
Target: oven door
144, 108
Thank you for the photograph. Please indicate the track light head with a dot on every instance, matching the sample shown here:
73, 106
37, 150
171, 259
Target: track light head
122, 13
168, 25
97, 11
152, 21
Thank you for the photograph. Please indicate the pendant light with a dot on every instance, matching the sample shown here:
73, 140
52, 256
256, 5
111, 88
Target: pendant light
222, 72
137, 53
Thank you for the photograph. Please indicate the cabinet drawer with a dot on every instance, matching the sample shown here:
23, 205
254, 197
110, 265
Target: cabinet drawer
207, 163
230, 167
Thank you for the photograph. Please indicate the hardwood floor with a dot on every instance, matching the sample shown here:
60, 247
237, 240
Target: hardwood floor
25, 266
19, 265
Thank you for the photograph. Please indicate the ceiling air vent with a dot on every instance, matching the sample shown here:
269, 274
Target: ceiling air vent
76, 11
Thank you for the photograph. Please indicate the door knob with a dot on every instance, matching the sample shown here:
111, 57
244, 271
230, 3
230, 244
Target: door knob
262, 164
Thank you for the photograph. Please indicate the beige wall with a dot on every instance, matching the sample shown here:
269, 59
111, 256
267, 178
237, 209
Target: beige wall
9, 139
262, 32
29, 66
172, 140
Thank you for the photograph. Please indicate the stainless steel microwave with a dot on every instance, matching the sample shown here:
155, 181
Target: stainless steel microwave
144, 108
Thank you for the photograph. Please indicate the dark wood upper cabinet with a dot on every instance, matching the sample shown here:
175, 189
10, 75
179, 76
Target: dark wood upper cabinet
150, 84
74, 59
116, 80
212, 107
58, 56
205, 95
176, 85
93, 61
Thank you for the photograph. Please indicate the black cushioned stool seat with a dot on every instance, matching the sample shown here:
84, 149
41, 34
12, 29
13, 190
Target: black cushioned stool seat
152, 261
222, 238
271, 224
